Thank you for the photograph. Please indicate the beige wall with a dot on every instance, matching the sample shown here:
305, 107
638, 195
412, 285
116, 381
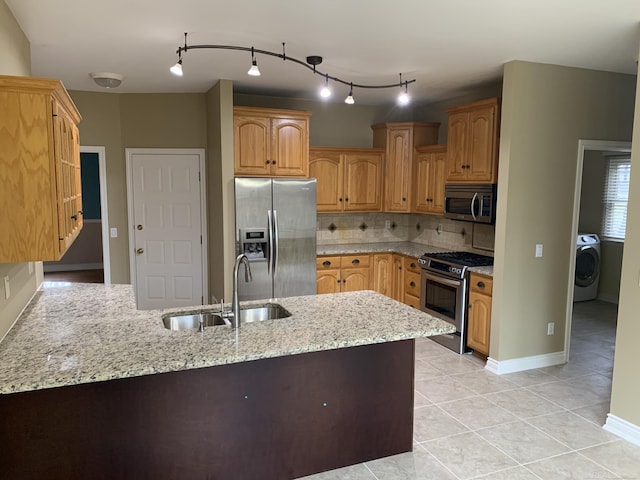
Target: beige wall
546, 109
626, 381
120, 121
220, 196
15, 59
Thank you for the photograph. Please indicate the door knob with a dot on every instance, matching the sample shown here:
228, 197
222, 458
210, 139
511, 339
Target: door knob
139, 227
140, 251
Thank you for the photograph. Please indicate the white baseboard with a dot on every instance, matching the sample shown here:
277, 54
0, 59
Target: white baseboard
608, 297
72, 267
525, 363
623, 429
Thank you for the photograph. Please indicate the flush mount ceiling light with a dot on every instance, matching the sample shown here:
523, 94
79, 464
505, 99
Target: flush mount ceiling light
311, 62
107, 79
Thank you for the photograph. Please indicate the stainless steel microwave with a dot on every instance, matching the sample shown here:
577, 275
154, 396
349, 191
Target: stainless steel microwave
470, 202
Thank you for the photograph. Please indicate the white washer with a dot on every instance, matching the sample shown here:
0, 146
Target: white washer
587, 267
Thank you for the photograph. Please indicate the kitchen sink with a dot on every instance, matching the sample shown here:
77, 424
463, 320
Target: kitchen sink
248, 314
258, 313
189, 321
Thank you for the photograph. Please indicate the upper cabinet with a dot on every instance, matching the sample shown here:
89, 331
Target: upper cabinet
428, 174
349, 179
472, 144
270, 142
399, 140
41, 197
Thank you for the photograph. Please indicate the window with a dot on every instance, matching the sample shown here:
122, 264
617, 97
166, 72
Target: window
615, 197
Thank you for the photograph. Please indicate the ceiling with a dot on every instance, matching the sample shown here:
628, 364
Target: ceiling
447, 46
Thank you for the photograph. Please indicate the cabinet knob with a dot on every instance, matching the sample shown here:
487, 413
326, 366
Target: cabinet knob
273, 162
326, 263
346, 199
140, 251
412, 284
139, 227
344, 281
340, 199
338, 281
413, 265
355, 261
404, 199
480, 284
74, 217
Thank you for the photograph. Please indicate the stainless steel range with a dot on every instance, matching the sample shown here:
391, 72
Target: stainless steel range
444, 291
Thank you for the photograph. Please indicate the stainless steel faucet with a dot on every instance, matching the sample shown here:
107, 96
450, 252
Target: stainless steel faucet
242, 258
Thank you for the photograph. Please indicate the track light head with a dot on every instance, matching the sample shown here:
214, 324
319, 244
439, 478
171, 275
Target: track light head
177, 68
254, 71
349, 100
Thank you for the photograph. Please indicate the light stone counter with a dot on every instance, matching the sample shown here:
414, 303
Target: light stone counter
90, 332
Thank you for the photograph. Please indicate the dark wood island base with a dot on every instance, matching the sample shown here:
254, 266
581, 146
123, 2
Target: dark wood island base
276, 418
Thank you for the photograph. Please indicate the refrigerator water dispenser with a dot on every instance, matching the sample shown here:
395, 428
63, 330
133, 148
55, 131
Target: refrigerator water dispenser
254, 243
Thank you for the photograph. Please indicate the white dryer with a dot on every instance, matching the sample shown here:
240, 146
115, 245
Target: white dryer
587, 267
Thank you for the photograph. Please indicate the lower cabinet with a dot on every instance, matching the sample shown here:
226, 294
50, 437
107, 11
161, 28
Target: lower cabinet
479, 323
343, 273
397, 276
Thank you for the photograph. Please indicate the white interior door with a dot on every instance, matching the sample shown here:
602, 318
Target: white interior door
166, 226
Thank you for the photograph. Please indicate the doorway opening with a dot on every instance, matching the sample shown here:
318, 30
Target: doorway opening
592, 305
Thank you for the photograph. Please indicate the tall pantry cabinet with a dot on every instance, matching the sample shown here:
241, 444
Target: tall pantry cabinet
41, 196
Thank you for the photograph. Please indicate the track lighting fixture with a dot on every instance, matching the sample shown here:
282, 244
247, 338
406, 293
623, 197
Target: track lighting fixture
311, 62
349, 98
326, 91
403, 98
254, 71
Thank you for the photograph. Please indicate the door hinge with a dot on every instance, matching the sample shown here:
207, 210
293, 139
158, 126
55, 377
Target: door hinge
200, 239
202, 300
199, 179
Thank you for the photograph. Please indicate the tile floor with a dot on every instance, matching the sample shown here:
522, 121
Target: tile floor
539, 424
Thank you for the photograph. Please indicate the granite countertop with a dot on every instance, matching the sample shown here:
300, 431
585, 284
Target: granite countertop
92, 332
405, 248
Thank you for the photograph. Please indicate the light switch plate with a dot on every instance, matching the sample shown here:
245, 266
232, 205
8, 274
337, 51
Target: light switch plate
538, 250
114, 232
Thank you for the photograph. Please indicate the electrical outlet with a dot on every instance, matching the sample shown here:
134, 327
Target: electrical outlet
31, 268
550, 328
7, 289
439, 228
114, 233
387, 224
538, 250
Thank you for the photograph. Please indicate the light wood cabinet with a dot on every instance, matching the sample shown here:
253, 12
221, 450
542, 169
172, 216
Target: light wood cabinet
382, 273
270, 142
429, 175
479, 322
349, 180
472, 143
343, 273
411, 282
40, 197
399, 141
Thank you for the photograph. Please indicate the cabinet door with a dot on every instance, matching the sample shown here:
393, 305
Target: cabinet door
251, 145
457, 147
481, 145
398, 277
326, 167
67, 164
381, 273
328, 281
436, 187
479, 323
421, 188
397, 170
289, 147
363, 182
354, 279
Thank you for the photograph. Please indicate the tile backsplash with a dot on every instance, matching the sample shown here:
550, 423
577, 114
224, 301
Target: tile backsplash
399, 227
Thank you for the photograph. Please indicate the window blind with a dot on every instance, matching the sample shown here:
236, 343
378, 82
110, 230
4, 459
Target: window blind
615, 197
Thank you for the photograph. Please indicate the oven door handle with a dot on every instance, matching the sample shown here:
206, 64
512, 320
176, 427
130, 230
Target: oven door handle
439, 279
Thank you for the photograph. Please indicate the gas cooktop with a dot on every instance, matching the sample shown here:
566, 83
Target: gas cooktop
466, 259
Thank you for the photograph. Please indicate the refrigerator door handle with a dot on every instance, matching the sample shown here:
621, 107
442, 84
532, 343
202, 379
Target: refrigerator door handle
271, 237
276, 249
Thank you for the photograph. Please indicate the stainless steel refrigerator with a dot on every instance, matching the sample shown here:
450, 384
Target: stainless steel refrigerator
276, 229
